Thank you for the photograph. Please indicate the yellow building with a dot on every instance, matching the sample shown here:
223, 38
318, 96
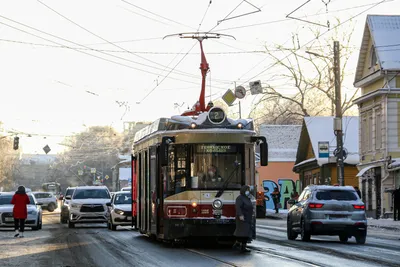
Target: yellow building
315, 160
378, 77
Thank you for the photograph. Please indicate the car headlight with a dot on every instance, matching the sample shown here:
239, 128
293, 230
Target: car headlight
76, 206
217, 204
118, 211
33, 212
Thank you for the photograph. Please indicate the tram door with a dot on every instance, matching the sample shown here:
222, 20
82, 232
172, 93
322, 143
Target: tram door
153, 178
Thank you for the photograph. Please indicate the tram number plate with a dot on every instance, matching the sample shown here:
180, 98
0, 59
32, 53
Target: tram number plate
9, 219
217, 212
129, 218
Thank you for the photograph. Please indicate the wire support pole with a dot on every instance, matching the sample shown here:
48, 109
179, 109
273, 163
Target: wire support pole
338, 120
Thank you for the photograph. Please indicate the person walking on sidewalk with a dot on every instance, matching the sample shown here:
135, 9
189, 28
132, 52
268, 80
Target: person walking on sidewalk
20, 213
396, 204
276, 197
244, 214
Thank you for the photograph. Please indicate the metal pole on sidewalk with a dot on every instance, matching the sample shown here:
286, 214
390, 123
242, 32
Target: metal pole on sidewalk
338, 119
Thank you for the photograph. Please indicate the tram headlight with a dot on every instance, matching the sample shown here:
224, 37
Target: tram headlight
194, 204
193, 125
240, 125
217, 204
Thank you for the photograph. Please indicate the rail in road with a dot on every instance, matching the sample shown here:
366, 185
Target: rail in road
95, 245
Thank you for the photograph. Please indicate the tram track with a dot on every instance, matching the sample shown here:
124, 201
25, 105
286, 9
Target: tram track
257, 250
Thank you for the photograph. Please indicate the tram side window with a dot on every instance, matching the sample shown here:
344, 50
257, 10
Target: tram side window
177, 178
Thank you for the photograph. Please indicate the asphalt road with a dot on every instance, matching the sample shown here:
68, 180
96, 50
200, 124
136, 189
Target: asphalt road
57, 245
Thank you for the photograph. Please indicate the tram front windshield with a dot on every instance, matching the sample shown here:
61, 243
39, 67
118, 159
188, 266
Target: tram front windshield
204, 167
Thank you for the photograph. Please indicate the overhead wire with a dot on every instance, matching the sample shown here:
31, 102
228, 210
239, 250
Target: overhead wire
157, 15
287, 19
205, 13
111, 43
323, 33
166, 75
83, 52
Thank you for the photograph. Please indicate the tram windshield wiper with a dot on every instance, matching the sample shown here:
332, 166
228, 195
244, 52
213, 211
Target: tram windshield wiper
225, 185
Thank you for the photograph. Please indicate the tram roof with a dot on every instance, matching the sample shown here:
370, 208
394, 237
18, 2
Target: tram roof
201, 123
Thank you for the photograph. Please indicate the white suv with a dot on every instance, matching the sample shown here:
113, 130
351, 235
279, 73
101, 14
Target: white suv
89, 205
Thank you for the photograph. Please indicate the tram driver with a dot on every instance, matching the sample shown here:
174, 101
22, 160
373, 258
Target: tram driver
213, 177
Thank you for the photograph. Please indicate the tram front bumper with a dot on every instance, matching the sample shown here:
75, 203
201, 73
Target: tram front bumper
185, 228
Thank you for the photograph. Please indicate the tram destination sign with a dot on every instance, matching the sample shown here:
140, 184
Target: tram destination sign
216, 149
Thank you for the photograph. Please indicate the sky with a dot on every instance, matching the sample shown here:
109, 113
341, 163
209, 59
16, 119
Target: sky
68, 65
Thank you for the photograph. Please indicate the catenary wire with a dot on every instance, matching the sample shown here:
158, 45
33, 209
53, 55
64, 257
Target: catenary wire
103, 39
83, 52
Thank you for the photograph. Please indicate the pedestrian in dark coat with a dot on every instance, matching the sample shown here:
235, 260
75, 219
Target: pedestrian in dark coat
276, 197
244, 217
396, 204
20, 212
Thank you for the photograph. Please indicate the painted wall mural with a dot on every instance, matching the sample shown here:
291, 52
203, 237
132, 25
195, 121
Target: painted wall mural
286, 187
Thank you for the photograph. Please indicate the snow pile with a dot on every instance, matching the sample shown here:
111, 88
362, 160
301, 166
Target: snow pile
384, 223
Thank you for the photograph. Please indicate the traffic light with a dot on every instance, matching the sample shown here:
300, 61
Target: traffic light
16, 142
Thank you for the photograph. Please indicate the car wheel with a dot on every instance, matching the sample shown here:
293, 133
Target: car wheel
361, 238
113, 227
37, 227
291, 235
305, 235
71, 224
51, 207
343, 238
63, 220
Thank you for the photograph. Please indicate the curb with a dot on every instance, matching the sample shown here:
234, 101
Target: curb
384, 227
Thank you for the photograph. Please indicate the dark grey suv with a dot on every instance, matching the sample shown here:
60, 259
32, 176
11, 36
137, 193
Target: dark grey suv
327, 210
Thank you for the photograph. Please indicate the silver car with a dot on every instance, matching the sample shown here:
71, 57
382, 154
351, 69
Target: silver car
34, 219
47, 200
327, 210
120, 210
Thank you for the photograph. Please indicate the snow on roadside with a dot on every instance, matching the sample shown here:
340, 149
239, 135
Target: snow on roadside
381, 223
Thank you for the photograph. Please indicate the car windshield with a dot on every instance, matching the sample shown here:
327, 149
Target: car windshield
6, 200
91, 193
69, 192
123, 199
343, 195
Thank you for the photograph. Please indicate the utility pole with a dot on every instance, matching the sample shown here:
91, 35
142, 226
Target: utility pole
240, 107
338, 119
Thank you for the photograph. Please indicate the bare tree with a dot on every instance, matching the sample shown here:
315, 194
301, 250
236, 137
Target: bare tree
97, 148
8, 161
309, 75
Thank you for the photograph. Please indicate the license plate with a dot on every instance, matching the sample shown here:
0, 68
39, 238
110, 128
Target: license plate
217, 212
129, 218
9, 219
337, 217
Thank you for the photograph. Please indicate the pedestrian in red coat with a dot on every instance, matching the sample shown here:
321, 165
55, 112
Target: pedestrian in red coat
20, 213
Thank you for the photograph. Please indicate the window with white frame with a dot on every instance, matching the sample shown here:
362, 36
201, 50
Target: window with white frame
373, 58
364, 134
378, 130
370, 132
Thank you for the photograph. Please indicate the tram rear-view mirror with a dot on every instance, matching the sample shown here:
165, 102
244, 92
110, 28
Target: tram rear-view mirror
264, 154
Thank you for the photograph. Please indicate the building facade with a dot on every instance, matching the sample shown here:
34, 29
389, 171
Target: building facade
378, 77
315, 160
282, 147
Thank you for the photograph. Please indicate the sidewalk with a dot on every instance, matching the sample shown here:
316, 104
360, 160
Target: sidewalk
388, 224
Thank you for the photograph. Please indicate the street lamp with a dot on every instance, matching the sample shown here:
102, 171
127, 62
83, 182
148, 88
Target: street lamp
337, 126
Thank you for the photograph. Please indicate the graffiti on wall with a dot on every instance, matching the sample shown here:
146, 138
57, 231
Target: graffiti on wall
286, 187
